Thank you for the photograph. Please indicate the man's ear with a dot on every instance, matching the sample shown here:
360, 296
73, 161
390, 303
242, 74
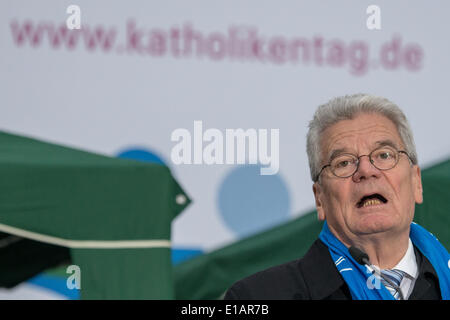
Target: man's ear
417, 180
318, 193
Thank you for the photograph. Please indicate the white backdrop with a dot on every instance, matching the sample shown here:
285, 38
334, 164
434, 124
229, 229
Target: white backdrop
151, 78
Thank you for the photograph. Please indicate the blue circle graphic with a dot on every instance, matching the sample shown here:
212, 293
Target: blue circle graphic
141, 154
250, 202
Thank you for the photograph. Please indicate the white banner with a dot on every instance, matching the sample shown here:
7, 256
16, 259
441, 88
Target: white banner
137, 78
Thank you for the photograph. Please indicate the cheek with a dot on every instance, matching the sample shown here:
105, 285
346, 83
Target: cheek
339, 199
405, 191
404, 195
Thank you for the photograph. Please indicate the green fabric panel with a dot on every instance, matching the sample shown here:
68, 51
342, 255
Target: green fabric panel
208, 276
25, 150
59, 271
124, 273
78, 195
434, 213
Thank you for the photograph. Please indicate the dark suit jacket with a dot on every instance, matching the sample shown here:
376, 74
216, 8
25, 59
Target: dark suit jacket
315, 277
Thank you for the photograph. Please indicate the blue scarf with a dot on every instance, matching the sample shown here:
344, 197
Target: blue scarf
356, 276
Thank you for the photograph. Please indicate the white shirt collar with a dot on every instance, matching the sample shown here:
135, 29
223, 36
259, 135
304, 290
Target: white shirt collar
408, 263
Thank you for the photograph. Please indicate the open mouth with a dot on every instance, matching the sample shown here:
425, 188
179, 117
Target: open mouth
371, 200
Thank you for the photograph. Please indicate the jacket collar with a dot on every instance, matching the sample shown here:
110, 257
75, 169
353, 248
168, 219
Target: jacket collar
320, 274
323, 279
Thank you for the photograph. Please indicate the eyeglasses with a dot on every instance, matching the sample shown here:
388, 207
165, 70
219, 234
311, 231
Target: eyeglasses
345, 165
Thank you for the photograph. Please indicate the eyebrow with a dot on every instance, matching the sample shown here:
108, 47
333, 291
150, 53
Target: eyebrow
334, 153
387, 142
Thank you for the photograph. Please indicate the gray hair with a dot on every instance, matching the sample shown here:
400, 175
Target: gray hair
346, 108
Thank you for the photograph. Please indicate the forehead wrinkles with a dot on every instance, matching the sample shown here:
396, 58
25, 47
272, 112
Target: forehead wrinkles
338, 135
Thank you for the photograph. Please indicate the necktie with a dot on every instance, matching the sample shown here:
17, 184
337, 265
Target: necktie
395, 276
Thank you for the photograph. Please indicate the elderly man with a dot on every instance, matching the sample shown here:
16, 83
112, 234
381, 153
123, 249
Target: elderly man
367, 181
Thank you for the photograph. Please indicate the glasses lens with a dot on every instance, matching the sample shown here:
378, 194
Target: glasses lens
344, 165
384, 158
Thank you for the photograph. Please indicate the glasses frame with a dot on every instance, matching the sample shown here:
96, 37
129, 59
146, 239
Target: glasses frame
370, 159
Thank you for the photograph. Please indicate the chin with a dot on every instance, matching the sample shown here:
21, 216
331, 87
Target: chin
376, 224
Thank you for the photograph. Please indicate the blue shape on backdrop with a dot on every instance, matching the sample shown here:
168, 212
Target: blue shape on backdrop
141, 154
249, 202
56, 284
182, 254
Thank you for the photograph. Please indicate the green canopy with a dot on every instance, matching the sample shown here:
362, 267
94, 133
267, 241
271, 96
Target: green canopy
112, 217
208, 276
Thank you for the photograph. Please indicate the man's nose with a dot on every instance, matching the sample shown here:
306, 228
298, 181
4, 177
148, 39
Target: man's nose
365, 170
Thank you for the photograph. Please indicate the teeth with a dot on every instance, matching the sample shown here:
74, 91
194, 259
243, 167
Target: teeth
371, 202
